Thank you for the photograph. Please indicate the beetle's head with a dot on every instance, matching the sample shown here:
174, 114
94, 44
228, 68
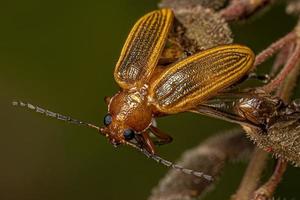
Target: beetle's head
128, 116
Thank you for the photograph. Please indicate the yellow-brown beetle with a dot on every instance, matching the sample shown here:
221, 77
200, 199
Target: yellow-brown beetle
149, 91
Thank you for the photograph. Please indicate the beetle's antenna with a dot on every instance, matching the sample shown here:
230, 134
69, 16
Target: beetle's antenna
49, 113
145, 152
170, 164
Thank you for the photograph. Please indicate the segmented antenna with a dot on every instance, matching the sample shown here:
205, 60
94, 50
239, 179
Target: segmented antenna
170, 164
144, 151
49, 113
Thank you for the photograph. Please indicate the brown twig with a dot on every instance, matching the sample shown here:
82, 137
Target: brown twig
238, 9
266, 191
252, 175
281, 58
273, 48
253, 172
289, 66
210, 156
290, 83
259, 160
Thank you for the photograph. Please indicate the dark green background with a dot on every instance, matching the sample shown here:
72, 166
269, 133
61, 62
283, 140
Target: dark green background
60, 55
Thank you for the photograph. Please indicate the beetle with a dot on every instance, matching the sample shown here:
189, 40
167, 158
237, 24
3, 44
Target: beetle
148, 90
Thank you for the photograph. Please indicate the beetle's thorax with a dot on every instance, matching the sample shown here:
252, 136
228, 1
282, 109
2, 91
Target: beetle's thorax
130, 109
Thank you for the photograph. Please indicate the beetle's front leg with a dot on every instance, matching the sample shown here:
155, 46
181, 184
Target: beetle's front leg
265, 78
163, 138
147, 142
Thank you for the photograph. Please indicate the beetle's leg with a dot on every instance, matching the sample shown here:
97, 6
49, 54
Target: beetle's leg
107, 99
295, 105
148, 143
265, 78
163, 138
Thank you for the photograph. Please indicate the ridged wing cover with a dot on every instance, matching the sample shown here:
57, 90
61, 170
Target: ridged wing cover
142, 48
191, 81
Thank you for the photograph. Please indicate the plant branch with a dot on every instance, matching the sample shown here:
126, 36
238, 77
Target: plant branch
238, 9
273, 48
285, 91
281, 58
259, 160
289, 66
266, 191
210, 156
252, 175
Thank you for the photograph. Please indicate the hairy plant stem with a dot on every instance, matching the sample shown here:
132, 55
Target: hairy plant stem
252, 175
289, 66
267, 190
287, 81
238, 9
210, 156
275, 47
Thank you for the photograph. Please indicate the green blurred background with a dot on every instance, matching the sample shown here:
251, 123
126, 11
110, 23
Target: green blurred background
60, 55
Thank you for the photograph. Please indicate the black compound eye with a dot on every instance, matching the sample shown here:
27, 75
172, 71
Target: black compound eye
128, 134
107, 119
